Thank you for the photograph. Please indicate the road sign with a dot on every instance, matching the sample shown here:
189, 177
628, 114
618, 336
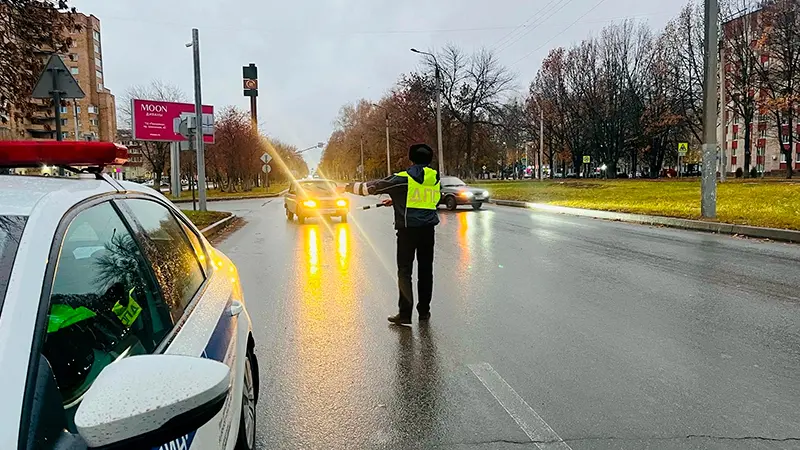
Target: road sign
683, 148
266, 169
56, 76
265, 158
587, 159
484, 167
499, 162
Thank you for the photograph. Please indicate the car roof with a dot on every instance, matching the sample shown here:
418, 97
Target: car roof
20, 194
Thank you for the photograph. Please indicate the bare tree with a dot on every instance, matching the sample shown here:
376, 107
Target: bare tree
31, 29
155, 153
780, 69
472, 88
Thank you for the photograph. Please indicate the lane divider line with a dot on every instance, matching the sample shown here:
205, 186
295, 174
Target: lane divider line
528, 420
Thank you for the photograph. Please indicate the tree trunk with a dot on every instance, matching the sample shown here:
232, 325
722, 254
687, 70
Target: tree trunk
789, 162
748, 151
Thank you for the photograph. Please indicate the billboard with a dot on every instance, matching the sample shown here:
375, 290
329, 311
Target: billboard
159, 121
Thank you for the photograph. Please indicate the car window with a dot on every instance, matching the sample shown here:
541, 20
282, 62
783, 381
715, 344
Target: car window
104, 303
314, 188
197, 246
452, 181
167, 247
10, 232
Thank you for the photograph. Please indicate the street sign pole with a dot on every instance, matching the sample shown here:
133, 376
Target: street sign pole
198, 112
175, 168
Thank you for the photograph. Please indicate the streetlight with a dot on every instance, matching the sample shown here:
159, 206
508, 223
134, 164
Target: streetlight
317, 145
198, 115
388, 156
438, 108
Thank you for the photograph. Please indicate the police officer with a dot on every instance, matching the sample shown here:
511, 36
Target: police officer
414, 194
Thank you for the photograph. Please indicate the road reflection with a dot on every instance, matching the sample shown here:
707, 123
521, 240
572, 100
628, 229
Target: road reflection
418, 387
328, 353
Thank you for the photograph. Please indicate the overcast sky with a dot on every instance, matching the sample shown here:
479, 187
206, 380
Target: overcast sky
314, 56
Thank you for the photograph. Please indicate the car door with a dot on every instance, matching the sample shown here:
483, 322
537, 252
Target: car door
291, 198
200, 298
103, 304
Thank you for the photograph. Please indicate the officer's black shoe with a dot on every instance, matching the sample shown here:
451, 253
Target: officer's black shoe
400, 320
425, 316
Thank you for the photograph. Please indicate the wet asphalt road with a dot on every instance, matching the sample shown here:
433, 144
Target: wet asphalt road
544, 327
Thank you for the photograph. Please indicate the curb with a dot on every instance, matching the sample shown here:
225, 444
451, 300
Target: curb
223, 199
775, 234
214, 229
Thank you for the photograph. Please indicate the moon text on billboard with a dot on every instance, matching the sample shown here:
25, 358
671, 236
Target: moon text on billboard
155, 120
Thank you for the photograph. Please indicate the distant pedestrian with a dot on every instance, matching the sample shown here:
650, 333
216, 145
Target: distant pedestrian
415, 194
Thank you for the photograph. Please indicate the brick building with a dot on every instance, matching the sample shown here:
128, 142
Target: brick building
135, 168
90, 118
766, 154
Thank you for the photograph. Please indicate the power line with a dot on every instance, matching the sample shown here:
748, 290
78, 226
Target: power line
559, 33
523, 24
552, 13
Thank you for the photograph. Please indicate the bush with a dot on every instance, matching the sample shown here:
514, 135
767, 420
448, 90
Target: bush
753, 173
739, 173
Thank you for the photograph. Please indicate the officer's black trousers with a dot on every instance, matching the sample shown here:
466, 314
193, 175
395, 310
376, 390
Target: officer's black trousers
415, 242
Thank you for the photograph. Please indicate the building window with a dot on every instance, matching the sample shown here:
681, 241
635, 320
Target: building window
93, 122
64, 122
96, 35
98, 74
99, 63
762, 117
73, 56
762, 133
96, 48
63, 110
64, 135
78, 108
73, 70
783, 158
92, 109
735, 133
100, 86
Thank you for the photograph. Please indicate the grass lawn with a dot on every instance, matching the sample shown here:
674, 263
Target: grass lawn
274, 188
202, 219
768, 203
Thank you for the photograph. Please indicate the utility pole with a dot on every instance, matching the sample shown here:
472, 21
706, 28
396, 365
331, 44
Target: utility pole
175, 168
439, 118
438, 107
708, 186
541, 140
198, 114
723, 108
388, 154
362, 158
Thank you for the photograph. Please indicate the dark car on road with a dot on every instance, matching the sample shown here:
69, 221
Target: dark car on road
455, 192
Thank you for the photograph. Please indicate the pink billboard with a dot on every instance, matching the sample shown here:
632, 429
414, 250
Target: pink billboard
160, 121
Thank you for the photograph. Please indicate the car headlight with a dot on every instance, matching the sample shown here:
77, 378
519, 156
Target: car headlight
467, 194
310, 204
341, 202
485, 193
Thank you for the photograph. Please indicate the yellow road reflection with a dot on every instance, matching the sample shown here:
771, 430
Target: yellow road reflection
327, 330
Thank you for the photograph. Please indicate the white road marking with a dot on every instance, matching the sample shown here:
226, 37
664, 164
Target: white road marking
528, 420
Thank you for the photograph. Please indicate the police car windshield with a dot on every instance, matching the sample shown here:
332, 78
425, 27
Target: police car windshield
452, 181
10, 232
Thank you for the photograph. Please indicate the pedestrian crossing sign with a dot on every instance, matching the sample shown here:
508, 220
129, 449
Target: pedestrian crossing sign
587, 159
683, 148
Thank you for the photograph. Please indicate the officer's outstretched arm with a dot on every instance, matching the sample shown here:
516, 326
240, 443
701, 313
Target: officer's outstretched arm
389, 185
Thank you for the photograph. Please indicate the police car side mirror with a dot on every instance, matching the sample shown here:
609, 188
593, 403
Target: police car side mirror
148, 400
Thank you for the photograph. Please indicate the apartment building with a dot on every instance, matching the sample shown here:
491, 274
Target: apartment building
766, 155
90, 118
135, 168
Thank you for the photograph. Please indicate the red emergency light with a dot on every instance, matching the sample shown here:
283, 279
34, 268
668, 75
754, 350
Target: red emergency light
64, 153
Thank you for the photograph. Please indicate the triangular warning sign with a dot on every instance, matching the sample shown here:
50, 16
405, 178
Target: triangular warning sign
683, 147
56, 76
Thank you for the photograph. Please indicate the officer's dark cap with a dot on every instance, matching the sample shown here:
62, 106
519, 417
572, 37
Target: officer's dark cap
420, 154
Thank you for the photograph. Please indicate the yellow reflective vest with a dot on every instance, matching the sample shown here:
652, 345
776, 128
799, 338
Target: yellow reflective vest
423, 195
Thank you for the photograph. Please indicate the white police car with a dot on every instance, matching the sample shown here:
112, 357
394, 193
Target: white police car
120, 325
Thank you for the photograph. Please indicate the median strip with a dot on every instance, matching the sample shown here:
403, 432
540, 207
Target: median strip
686, 224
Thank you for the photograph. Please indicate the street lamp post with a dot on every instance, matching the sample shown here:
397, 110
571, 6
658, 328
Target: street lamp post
198, 114
438, 107
708, 182
361, 140
317, 145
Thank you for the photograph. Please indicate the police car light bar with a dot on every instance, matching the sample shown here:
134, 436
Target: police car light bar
64, 153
